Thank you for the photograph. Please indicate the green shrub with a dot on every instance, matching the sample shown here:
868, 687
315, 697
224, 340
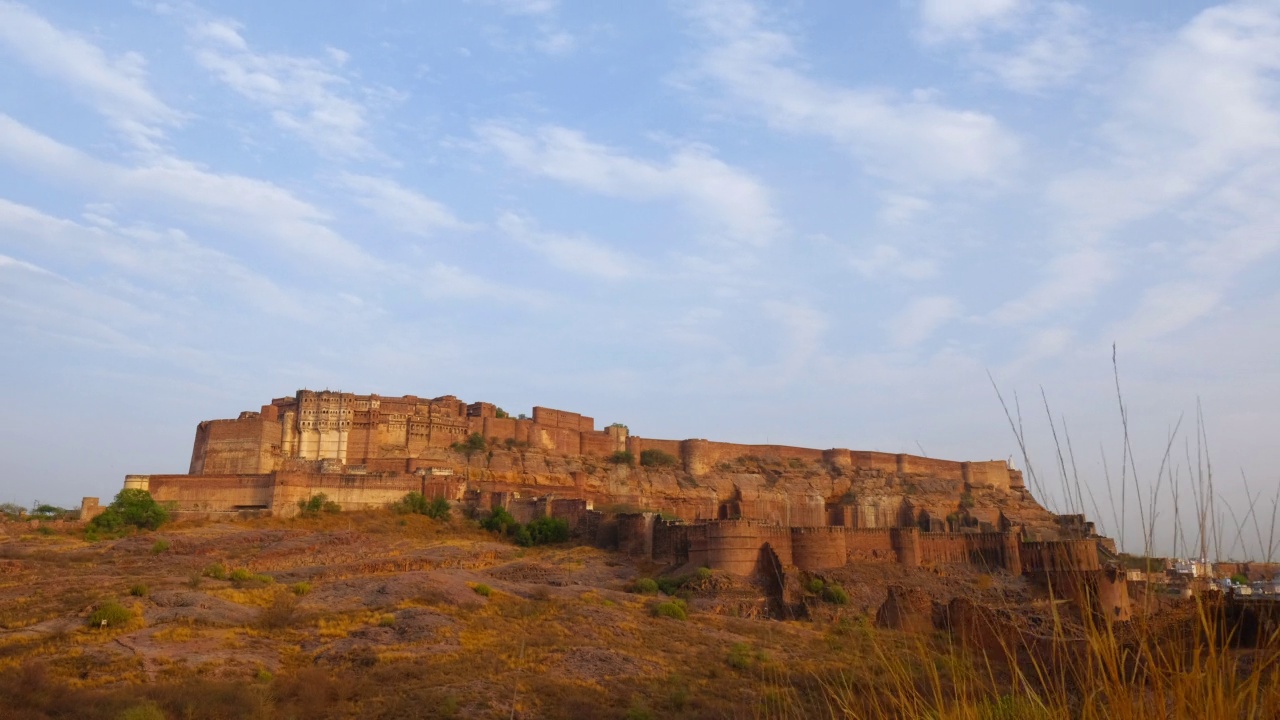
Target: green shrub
521, 535
438, 509
644, 586
474, 443
622, 457
835, 594
1240, 579
139, 590
654, 457
146, 711
704, 573
47, 512
300, 588
387, 620
500, 521
264, 676
548, 530
674, 609
415, 503
743, 657
482, 590
316, 504
241, 576
131, 508
217, 571
159, 546
814, 585
110, 614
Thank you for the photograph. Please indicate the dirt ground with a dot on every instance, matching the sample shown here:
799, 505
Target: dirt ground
381, 615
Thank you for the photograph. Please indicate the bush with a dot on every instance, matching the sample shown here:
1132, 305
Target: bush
622, 457
415, 503
47, 512
674, 609
159, 546
499, 521
814, 585
657, 458
644, 586
131, 508
387, 620
741, 656
217, 571
704, 573
548, 530
835, 594
110, 614
482, 590
300, 588
241, 576
317, 504
474, 443
139, 590
146, 711
281, 613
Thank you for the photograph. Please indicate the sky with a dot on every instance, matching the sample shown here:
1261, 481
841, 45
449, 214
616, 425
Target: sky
824, 224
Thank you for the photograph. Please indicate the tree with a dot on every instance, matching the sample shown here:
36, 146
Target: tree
474, 443
654, 457
622, 457
131, 508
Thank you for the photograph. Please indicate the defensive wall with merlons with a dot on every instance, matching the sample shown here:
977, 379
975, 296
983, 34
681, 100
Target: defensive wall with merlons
1071, 568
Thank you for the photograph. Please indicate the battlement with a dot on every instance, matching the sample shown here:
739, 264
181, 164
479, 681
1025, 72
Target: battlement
372, 430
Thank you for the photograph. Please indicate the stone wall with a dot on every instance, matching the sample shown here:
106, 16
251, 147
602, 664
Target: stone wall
385, 434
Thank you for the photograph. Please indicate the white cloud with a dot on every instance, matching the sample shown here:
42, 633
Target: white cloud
803, 328
1054, 47
732, 203
115, 88
910, 139
921, 319
407, 210
159, 257
525, 7
946, 19
253, 209
1194, 135
306, 96
575, 254
888, 261
1165, 308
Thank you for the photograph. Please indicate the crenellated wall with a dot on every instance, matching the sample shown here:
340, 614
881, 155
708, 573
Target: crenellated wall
375, 432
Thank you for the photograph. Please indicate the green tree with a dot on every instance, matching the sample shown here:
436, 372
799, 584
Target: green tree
474, 443
131, 508
654, 457
547, 530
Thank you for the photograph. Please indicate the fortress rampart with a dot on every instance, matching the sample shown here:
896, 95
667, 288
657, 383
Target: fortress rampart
387, 433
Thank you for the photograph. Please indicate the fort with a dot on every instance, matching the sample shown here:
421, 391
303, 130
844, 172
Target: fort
744, 509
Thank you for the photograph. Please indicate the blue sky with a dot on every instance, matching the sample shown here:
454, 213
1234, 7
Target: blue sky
813, 223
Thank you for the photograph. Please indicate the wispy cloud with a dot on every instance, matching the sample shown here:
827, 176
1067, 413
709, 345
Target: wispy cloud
1196, 131
942, 20
114, 87
732, 204
307, 96
910, 139
920, 319
254, 209
548, 36
576, 254
409, 211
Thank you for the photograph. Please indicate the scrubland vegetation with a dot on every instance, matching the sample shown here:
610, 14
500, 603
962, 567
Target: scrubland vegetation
397, 615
